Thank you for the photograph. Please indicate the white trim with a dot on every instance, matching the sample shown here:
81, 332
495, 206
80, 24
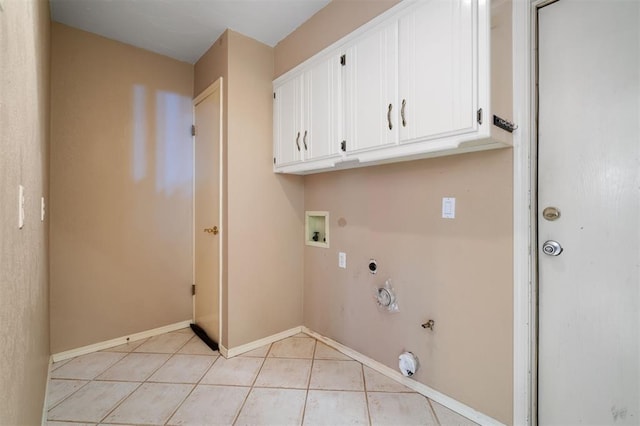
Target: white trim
238, 350
524, 311
457, 406
60, 356
45, 403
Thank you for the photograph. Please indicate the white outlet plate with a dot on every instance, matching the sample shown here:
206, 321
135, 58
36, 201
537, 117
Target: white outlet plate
20, 206
342, 260
449, 208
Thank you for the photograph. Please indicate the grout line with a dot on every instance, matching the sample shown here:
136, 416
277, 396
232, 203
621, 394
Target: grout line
306, 396
173, 413
119, 403
435, 416
244, 402
366, 394
68, 396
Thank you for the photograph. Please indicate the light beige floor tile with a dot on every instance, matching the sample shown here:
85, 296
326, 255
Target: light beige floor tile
186, 330
127, 347
326, 352
196, 346
447, 417
60, 389
377, 382
284, 373
210, 405
237, 371
337, 375
261, 352
273, 407
92, 402
134, 367
336, 408
293, 347
165, 343
151, 403
399, 409
87, 366
183, 369
68, 424
56, 365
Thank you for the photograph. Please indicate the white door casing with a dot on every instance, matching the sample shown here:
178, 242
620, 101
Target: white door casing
207, 210
589, 168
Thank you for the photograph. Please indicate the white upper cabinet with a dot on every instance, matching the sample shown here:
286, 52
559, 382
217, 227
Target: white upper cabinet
308, 117
371, 76
413, 83
437, 81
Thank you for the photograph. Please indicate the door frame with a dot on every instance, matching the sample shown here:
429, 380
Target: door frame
212, 88
525, 195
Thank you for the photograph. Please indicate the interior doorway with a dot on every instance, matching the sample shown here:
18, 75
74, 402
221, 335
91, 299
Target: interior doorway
207, 210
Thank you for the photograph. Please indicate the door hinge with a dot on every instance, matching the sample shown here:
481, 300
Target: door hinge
343, 60
480, 116
274, 160
193, 130
193, 289
343, 146
274, 95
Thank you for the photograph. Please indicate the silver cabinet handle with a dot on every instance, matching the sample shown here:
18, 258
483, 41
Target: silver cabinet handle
298, 141
389, 116
404, 122
304, 140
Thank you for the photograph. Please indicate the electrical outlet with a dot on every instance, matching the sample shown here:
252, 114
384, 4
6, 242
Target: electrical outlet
342, 260
448, 208
20, 206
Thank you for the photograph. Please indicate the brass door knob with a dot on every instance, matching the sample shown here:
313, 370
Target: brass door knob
213, 230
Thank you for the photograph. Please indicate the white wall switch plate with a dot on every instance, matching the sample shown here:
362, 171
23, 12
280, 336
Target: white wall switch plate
448, 208
342, 260
41, 209
20, 206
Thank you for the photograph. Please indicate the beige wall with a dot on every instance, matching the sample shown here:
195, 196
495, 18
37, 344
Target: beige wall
457, 272
264, 212
24, 140
327, 26
121, 189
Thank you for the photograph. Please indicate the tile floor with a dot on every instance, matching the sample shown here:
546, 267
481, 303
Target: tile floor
175, 379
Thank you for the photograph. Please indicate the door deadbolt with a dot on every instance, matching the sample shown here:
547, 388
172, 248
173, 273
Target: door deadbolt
551, 213
213, 230
552, 248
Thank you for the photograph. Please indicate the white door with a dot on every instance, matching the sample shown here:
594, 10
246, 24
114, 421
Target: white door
371, 89
287, 122
322, 106
589, 165
436, 77
208, 113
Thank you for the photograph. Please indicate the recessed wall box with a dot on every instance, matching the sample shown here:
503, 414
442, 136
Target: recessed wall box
316, 229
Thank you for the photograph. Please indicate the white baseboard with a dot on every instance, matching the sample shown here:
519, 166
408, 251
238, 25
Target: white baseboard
452, 404
45, 404
119, 341
238, 350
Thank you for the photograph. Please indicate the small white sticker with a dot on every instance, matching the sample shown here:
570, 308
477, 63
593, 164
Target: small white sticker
448, 208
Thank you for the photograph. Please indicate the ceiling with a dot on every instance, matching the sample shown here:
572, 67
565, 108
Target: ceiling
184, 29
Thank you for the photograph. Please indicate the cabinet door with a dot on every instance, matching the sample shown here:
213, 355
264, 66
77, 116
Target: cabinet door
371, 89
322, 106
287, 122
436, 76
